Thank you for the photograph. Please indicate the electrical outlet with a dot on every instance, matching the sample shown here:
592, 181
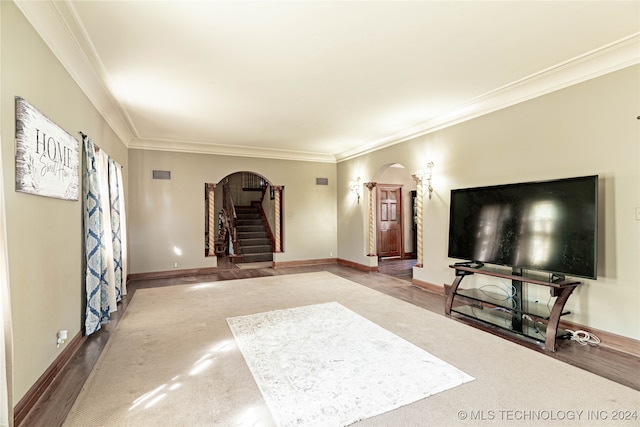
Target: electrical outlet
637, 214
175, 265
62, 337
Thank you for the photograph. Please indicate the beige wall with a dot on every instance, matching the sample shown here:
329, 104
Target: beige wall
44, 234
590, 128
166, 217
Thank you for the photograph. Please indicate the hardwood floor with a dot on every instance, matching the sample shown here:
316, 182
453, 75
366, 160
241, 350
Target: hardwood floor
393, 279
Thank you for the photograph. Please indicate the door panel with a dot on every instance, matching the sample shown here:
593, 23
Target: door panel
389, 222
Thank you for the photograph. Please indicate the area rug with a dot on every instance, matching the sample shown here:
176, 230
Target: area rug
324, 365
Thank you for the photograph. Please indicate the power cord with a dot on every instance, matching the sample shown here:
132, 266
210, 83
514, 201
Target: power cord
583, 337
535, 323
510, 297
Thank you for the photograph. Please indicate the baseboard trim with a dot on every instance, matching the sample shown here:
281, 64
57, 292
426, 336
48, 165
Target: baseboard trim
24, 406
357, 266
428, 287
320, 261
607, 339
171, 273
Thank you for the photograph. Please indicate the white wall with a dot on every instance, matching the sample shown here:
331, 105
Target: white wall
166, 218
44, 234
590, 128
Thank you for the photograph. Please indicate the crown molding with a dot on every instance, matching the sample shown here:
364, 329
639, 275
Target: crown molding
229, 150
607, 59
56, 23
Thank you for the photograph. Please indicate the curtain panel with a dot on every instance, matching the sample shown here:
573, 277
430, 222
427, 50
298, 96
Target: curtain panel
105, 236
116, 200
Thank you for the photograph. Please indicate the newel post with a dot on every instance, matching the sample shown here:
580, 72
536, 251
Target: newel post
278, 200
212, 218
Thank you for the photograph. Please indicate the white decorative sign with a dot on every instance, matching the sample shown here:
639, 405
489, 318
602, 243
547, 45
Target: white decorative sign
47, 157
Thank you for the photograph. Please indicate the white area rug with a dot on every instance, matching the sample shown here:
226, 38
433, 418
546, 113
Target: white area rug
324, 365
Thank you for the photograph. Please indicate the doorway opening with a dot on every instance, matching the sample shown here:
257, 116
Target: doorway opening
396, 221
240, 229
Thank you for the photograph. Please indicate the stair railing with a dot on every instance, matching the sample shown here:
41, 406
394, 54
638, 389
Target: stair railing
230, 215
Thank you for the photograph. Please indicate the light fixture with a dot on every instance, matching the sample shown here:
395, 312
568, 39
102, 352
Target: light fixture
354, 186
425, 176
430, 169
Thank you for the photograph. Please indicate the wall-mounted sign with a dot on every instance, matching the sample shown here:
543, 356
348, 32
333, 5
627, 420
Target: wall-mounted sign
46, 155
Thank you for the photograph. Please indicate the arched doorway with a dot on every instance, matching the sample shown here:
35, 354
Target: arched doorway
395, 224
246, 223
395, 189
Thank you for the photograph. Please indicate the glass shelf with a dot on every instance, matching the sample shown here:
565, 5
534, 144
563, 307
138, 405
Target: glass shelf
512, 312
502, 318
539, 311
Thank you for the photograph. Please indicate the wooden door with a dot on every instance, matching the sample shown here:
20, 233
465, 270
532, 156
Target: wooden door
389, 220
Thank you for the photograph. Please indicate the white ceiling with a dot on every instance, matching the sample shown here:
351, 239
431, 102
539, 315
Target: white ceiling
323, 80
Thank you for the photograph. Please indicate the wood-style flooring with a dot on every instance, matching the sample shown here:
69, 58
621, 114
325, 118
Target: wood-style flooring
394, 278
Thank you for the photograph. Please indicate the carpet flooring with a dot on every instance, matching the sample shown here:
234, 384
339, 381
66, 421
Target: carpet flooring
173, 361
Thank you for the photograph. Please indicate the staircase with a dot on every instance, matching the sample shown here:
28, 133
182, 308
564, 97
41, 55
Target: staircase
253, 240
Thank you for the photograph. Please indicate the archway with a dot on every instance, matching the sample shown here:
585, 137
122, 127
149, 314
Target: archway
243, 221
395, 176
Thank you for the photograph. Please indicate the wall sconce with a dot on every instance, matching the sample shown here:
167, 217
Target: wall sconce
354, 186
425, 176
430, 173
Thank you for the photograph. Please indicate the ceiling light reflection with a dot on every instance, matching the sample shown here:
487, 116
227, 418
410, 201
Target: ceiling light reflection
201, 286
145, 397
248, 417
200, 366
155, 400
223, 346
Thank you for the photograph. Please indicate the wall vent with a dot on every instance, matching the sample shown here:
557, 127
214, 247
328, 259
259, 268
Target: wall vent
161, 174
322, 181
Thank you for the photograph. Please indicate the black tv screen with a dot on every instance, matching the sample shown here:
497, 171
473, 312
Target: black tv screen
550, 226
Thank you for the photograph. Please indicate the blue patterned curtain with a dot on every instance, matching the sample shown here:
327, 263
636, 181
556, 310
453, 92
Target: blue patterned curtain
96, 286
115, 182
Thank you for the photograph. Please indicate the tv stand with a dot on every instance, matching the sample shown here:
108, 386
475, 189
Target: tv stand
507, 312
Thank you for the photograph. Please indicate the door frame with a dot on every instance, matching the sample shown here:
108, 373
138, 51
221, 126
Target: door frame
400, 213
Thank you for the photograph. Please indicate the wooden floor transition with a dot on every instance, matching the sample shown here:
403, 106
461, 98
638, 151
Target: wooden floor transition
394, 279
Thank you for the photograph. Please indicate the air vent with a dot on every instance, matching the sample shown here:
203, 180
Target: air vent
161, 174
322, 181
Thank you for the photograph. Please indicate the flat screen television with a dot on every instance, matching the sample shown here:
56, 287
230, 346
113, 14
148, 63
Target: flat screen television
548, 226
